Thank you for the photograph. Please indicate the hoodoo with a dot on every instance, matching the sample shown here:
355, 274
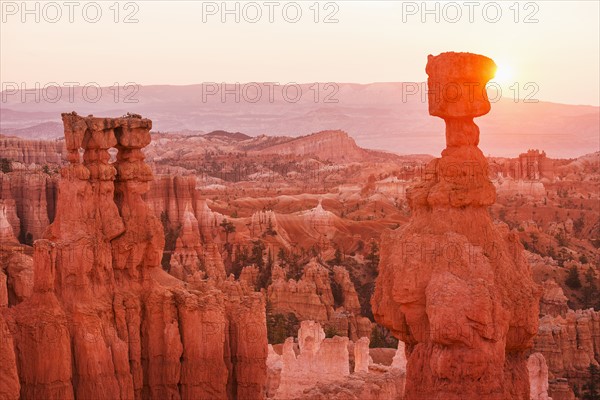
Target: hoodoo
105, 321
453, 285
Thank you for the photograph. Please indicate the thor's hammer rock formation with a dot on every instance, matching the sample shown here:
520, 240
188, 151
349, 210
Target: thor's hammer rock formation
453, 285
104, 320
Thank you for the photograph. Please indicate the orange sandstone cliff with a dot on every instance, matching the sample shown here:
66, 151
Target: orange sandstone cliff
453, 285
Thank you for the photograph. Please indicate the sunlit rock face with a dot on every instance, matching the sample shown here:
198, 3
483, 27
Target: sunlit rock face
538, 377
317, 368
103, 320
319, 360
453, 285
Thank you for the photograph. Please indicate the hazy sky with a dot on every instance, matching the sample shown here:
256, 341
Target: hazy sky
552, 43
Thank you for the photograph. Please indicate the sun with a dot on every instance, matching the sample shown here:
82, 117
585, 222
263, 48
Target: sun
504, 74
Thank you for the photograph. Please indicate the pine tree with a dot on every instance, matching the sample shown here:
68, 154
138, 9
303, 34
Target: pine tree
241, 260
257, 254
337, 257
590, 290
228, 227
591, 389
264, 276
281, 256
381, 338
572, 280
270, 230
269, 259
373, 256
294, 266
5, 165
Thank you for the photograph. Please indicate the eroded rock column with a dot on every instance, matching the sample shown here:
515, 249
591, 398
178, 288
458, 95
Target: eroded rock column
104, 320
453, 285
538, 377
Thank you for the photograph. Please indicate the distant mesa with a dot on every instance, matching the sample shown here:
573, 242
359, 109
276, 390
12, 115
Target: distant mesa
333, 145
237, 136
44, 130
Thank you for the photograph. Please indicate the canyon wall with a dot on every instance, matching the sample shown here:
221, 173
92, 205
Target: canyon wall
570, 343
29, 199
311, 298
32, 151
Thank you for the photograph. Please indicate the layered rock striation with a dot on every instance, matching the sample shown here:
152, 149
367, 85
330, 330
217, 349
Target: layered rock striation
453, 285
570, 343
553, 301
31, 151
29, 199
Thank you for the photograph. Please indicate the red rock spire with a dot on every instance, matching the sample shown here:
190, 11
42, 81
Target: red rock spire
453, 285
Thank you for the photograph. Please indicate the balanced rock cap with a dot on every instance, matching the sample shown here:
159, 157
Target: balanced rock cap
457, 84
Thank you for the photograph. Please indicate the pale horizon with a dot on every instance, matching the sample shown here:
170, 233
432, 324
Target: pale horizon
170, 45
